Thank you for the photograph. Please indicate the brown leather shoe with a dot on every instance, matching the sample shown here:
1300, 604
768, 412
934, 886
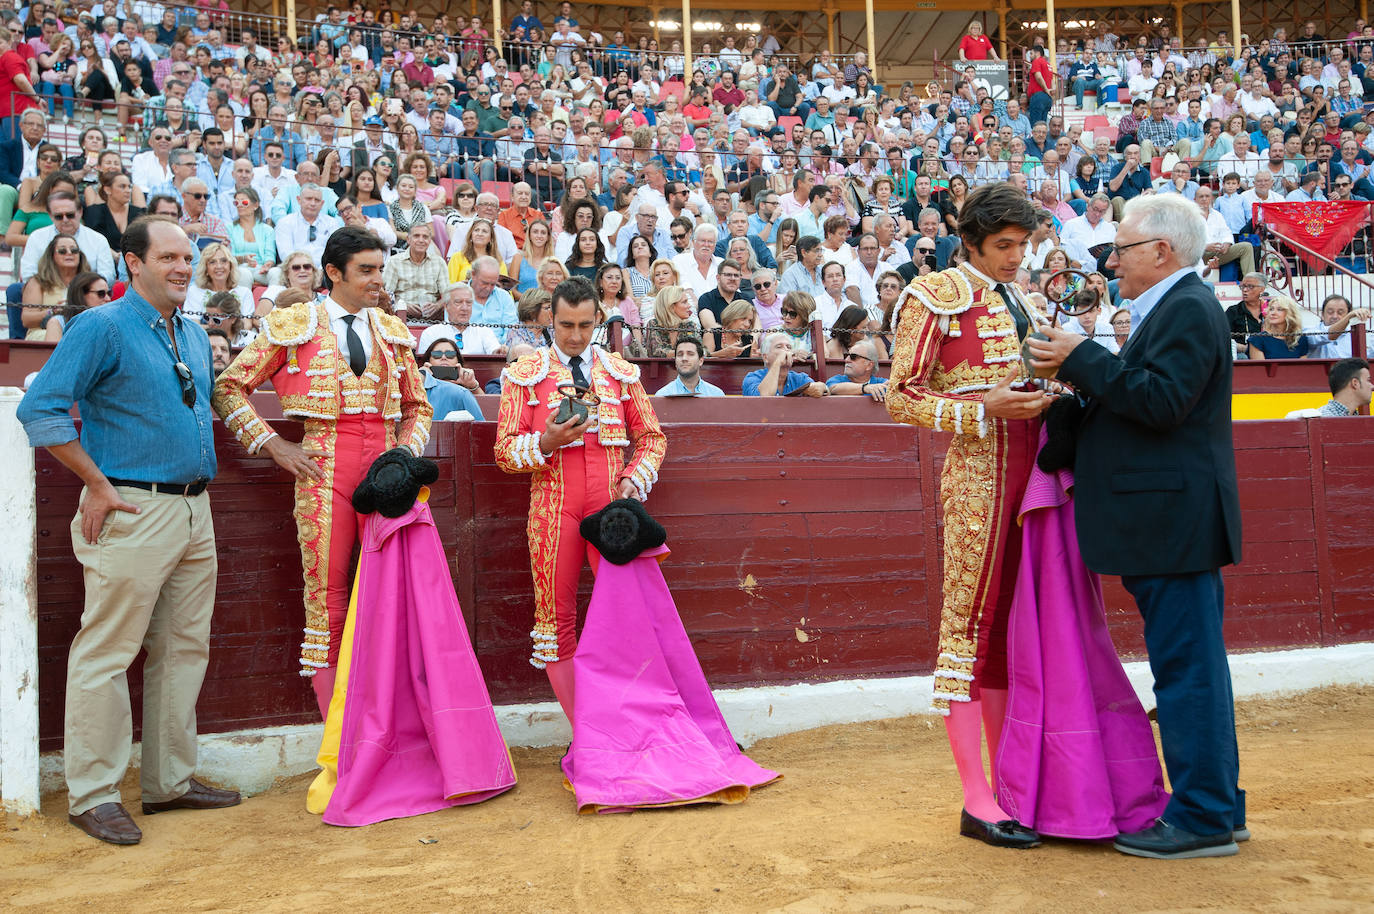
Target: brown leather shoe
198, 796
109, 822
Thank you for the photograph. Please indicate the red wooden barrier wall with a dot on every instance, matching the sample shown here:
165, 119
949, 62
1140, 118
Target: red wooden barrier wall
805, 547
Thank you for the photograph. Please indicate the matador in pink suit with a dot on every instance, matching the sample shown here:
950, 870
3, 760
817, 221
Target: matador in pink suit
346, 369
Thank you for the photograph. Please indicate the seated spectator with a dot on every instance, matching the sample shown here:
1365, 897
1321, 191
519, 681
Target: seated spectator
417, 278
550, 274
88, 290
735, 339
218, 271
298, 272
697, 266
1331, 337
1350, 388
777, 378
831, 300
448, 385
1222, 247
860, 375
220, 311
1131, 179
687, 358
711, 304
491, 304
64, 209
479, 241
1280, 335
458, 306
854, 323
309, 228
536, 317
797, 310
406, 210
250, 238
27, 221
674, 316
46, 292
613, 302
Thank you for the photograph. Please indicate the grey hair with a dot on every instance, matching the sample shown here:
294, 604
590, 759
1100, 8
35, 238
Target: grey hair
703, 230
1257, 277
485, 262
1173, 218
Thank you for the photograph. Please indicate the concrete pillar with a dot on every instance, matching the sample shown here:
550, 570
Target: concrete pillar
18, 616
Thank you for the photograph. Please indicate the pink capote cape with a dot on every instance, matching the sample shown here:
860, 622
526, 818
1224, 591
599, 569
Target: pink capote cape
1077, 757
415, 727
646, 729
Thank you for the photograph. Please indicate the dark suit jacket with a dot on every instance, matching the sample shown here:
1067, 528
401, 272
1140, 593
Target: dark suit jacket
360, 156
11, 161
1155, 473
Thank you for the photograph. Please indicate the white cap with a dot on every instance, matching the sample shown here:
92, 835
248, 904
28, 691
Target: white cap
433, 334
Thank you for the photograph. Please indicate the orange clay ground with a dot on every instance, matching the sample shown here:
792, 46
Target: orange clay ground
865, 821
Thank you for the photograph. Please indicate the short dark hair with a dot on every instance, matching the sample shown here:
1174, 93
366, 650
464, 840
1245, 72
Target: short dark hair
215, 331
138, 236
1343, 372
696, 343
212, 132
820, 190
156, 199
343, 244
572, 291
806, 243
990, 209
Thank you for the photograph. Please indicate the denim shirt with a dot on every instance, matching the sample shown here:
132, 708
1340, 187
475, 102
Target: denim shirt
115, 362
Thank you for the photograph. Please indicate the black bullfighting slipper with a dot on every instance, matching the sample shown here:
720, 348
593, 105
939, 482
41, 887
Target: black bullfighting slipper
1163, 841
1007, 833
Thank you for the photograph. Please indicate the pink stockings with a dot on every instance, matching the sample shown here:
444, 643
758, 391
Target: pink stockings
965, 725
561, 678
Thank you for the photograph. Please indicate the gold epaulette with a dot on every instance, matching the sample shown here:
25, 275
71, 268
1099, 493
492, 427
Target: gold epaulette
394, 330
293, 326
617, 366
947, 292
529, 370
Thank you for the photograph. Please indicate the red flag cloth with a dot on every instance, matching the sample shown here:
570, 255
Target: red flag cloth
1325, 227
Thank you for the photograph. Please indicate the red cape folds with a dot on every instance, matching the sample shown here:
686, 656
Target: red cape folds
418, 732
1077, 757
646, 730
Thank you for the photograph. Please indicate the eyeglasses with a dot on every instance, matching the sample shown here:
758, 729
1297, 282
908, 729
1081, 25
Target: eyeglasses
443, 354
193, 195
99, 293
764, 284
61, 217
790, 312
679, 236
855, 357
301, 267
1118, 248
67, 252
188, 384
468, 195
49, 157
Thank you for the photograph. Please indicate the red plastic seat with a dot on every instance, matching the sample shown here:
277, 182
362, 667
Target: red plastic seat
787, 121
1156, 167
502, 190
1095, 121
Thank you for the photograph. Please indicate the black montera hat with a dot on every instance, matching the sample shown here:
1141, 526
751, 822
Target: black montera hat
622, 530
393, 482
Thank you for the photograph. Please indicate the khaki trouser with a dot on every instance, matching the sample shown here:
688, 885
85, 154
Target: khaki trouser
150, 582
1242, 253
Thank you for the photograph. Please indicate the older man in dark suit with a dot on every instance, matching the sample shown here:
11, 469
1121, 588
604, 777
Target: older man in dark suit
1156, 502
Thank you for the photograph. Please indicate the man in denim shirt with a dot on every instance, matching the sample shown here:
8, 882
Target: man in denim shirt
141, 376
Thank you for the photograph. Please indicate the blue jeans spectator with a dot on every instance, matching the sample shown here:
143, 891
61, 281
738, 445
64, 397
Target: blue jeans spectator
1039, 108
68, 92
1083, 84
14, 296
1079, 206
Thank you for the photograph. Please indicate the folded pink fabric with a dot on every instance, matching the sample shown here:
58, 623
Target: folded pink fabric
418, 731
1077, 757
647, 731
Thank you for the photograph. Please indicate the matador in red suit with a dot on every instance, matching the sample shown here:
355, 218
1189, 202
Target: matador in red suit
347, 370
576, 469
957, 348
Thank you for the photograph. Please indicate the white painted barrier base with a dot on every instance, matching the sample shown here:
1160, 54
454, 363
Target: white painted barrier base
251, 760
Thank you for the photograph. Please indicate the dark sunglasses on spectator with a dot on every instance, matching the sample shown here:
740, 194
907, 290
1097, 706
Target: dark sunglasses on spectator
790, 312
443, 354
194, 195
764, 285
466, 194
679, 236
855, 357
99, 293
61, 217
302, 266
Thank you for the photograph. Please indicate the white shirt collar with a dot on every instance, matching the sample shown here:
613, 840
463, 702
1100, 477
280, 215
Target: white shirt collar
339, 312
563, 357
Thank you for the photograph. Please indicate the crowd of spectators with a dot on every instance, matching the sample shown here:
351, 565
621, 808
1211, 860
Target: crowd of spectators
718, 212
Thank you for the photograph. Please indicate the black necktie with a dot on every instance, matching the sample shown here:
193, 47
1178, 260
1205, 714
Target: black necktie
580, 379
1017, 315
357, 360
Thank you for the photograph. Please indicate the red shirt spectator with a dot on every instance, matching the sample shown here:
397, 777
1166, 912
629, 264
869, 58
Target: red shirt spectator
731, 96
976, 47
418, 73
12, 100
1041, 66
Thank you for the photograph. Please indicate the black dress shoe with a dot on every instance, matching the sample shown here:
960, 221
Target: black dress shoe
199, 796
109, 822
1163, 841
1007, 833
